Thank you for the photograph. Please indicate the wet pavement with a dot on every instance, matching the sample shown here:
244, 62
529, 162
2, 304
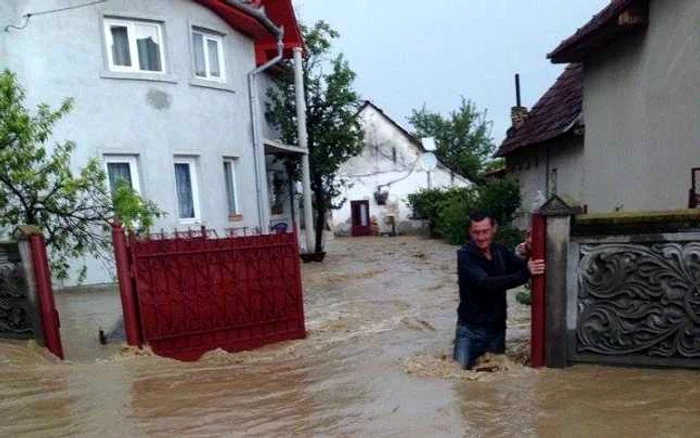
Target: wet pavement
380, 315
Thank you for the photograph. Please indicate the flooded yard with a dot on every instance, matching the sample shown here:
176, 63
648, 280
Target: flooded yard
376, 362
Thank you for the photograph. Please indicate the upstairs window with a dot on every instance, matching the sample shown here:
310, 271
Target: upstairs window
208, 55
134, 46
122, 168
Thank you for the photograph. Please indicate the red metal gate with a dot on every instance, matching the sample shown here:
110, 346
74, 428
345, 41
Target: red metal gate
192, 294
539, 236
50, 322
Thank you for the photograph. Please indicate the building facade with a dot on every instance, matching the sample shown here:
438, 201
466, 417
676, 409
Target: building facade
619, 129
162, 96
382, 176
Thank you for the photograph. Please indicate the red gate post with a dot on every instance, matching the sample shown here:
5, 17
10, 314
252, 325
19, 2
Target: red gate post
126, 287
49, 315
539, 230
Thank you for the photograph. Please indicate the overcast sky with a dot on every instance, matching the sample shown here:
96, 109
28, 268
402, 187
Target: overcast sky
407, 53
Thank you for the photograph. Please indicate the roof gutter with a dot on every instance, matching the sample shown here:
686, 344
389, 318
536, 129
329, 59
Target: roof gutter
259, 15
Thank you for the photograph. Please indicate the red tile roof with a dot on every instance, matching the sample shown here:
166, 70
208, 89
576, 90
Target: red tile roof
553, 115
574, 48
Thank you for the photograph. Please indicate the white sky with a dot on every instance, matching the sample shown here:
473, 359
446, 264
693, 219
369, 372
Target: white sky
410, 52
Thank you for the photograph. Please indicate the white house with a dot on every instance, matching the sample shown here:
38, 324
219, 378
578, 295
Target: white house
169, 94
388, 167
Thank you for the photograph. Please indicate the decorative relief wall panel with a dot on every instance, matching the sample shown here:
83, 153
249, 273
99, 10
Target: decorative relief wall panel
639, 299
15, 309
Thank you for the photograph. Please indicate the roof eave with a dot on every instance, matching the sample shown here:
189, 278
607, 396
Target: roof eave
572, 130
585, 49
633, 16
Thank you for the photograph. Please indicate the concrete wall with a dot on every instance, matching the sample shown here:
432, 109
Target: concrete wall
532, 166
641, 106
154, 117
375, 166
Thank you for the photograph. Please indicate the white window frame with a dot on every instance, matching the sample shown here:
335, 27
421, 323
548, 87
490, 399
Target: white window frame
133, 50
208, 36
232, 162
132, 161
194, 179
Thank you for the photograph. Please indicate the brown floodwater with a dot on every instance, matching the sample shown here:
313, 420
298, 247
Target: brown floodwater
380, 316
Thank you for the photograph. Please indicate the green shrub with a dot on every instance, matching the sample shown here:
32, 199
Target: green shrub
524, 297
426, 205
501, 198
453, 216
447, 210
509, 236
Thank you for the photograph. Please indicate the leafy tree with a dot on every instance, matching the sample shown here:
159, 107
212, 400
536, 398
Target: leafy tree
494, 165
38, 187
463, 138
334, 133
448, 210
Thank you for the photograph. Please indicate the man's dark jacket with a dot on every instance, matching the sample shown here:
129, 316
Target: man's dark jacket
483, 284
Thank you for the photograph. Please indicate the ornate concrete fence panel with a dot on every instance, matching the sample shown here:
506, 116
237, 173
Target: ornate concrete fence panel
634, 295
27, 306
17, 312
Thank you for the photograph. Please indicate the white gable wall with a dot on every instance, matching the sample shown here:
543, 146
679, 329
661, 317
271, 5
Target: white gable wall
375, 166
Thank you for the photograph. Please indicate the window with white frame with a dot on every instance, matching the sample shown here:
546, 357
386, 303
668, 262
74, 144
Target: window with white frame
187, 188
231, 187
208, 53
135, 46
122, 168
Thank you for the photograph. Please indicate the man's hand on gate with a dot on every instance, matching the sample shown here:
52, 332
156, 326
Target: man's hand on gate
536, 267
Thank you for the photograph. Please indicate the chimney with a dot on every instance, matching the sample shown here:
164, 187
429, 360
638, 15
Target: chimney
518, 113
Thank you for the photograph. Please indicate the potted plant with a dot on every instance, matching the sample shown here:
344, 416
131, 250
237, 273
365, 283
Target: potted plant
381, 197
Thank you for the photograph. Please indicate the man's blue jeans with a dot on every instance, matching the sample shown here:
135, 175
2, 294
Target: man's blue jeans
472, 342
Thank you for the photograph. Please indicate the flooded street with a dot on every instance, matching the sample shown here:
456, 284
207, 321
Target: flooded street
380, 319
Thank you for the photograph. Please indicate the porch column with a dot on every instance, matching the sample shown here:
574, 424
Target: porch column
304, 144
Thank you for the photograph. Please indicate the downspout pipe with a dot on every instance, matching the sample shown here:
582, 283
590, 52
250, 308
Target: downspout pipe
258, 147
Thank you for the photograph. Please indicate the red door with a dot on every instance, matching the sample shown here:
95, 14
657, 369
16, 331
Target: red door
360, 218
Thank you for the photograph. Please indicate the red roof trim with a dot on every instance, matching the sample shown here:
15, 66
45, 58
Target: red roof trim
236, 18
555, 114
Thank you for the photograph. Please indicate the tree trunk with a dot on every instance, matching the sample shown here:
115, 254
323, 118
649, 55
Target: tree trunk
320, 210
320, 225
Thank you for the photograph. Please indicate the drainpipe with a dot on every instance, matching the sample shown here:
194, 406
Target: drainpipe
258, 147
304, 144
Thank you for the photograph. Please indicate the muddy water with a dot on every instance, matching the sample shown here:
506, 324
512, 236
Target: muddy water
380, 316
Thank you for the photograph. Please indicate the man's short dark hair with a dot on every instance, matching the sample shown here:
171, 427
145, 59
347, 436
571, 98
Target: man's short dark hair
479, 216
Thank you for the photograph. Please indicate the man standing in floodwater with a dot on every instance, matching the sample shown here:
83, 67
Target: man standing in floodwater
486, 271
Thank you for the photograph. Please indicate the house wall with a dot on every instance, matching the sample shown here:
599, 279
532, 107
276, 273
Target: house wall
531, 167
375, 166
63, 55
265, 82
641, 106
